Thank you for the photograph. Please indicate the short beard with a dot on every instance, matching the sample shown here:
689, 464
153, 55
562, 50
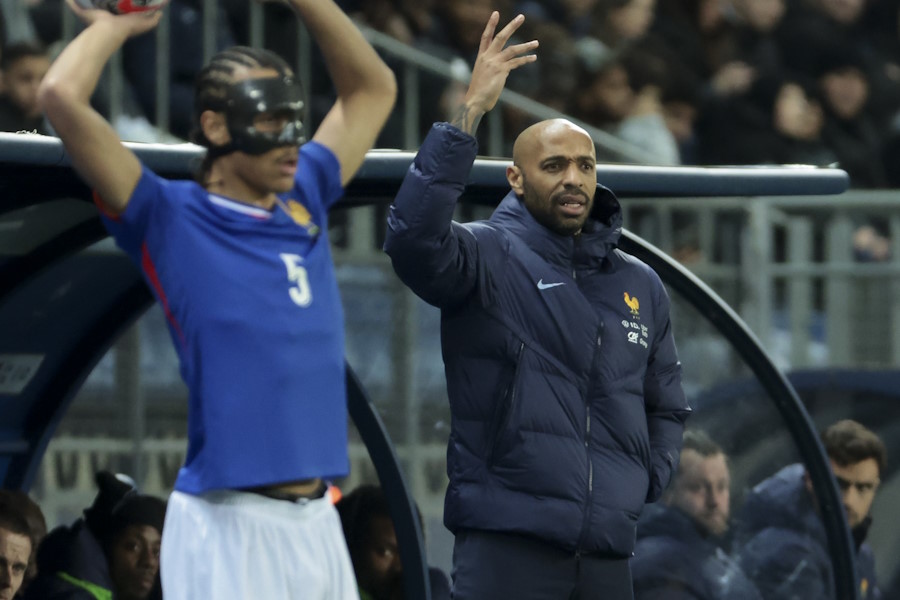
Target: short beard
546, 218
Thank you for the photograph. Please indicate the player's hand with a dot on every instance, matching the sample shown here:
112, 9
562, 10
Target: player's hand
495, 61
132, 23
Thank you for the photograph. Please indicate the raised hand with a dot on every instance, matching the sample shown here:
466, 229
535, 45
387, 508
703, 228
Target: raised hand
132, 23
492, 66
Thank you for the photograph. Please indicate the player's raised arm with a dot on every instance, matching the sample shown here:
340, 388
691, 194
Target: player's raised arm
65, 92
365, 85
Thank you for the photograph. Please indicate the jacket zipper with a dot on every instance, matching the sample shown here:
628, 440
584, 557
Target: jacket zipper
587, 450
587, 443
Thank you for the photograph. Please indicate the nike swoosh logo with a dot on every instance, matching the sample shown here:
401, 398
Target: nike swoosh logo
545, 286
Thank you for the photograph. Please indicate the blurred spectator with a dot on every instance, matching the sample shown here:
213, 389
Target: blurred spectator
680, 551
752, 25
725, 43
403, 20
406, 21
778, 121
651, 72
113, 551
606, 99
842, 13
621, 23
782, 541
37, 527
454, 36
690, 30
15, 549
573, 16
681, 104
616, 26
870, 245
849, 129
372, 542
458, 25
813, 26
23, 66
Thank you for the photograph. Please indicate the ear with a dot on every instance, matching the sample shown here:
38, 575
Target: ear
214, 127
514, 177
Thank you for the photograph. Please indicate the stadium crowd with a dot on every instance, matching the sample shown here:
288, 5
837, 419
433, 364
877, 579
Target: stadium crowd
684, 82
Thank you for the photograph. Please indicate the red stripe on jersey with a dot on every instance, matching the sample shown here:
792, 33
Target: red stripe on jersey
150, 271
103, 208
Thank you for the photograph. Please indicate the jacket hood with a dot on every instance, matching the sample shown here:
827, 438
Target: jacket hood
76, 551
783, 501
598, 238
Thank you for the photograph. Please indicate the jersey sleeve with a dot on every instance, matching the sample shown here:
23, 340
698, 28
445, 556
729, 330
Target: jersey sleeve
319, 174
147, 202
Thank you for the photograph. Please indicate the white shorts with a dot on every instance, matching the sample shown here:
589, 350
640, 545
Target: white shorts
230, 545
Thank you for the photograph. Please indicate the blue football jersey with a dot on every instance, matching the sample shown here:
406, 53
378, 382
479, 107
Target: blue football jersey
254, 311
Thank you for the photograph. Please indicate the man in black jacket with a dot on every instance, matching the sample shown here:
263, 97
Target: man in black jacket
563, 379
680, 552
782, 544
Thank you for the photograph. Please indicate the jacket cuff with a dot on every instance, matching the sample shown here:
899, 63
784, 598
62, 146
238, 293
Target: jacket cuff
447, 154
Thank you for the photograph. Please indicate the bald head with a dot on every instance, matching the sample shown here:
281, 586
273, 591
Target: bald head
554, 172
530, 140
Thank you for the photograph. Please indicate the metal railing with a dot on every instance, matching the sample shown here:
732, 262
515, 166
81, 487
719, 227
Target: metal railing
788, 266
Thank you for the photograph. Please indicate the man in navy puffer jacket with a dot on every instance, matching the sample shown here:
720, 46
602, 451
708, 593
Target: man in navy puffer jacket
681, 548
782, 542
563, 379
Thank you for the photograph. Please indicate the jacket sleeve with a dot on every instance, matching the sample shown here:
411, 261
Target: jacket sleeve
431, 254
664, 401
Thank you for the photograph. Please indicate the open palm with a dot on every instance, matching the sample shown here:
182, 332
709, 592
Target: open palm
495, 61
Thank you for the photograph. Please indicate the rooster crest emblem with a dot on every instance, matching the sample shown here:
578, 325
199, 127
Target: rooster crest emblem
301, 216
633, 304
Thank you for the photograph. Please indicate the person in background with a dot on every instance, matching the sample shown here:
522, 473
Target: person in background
37, 526
564, 384
112, 551
22, 67
780, 538
606, 98
681, 551
15, 549
372, 542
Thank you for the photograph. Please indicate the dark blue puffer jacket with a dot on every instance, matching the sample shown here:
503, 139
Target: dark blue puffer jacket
673, 560
563, 379
783, 547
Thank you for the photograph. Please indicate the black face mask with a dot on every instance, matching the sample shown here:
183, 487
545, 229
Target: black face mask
246, 100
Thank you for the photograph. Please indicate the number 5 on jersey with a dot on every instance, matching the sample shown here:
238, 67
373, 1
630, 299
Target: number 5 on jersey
300, 292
